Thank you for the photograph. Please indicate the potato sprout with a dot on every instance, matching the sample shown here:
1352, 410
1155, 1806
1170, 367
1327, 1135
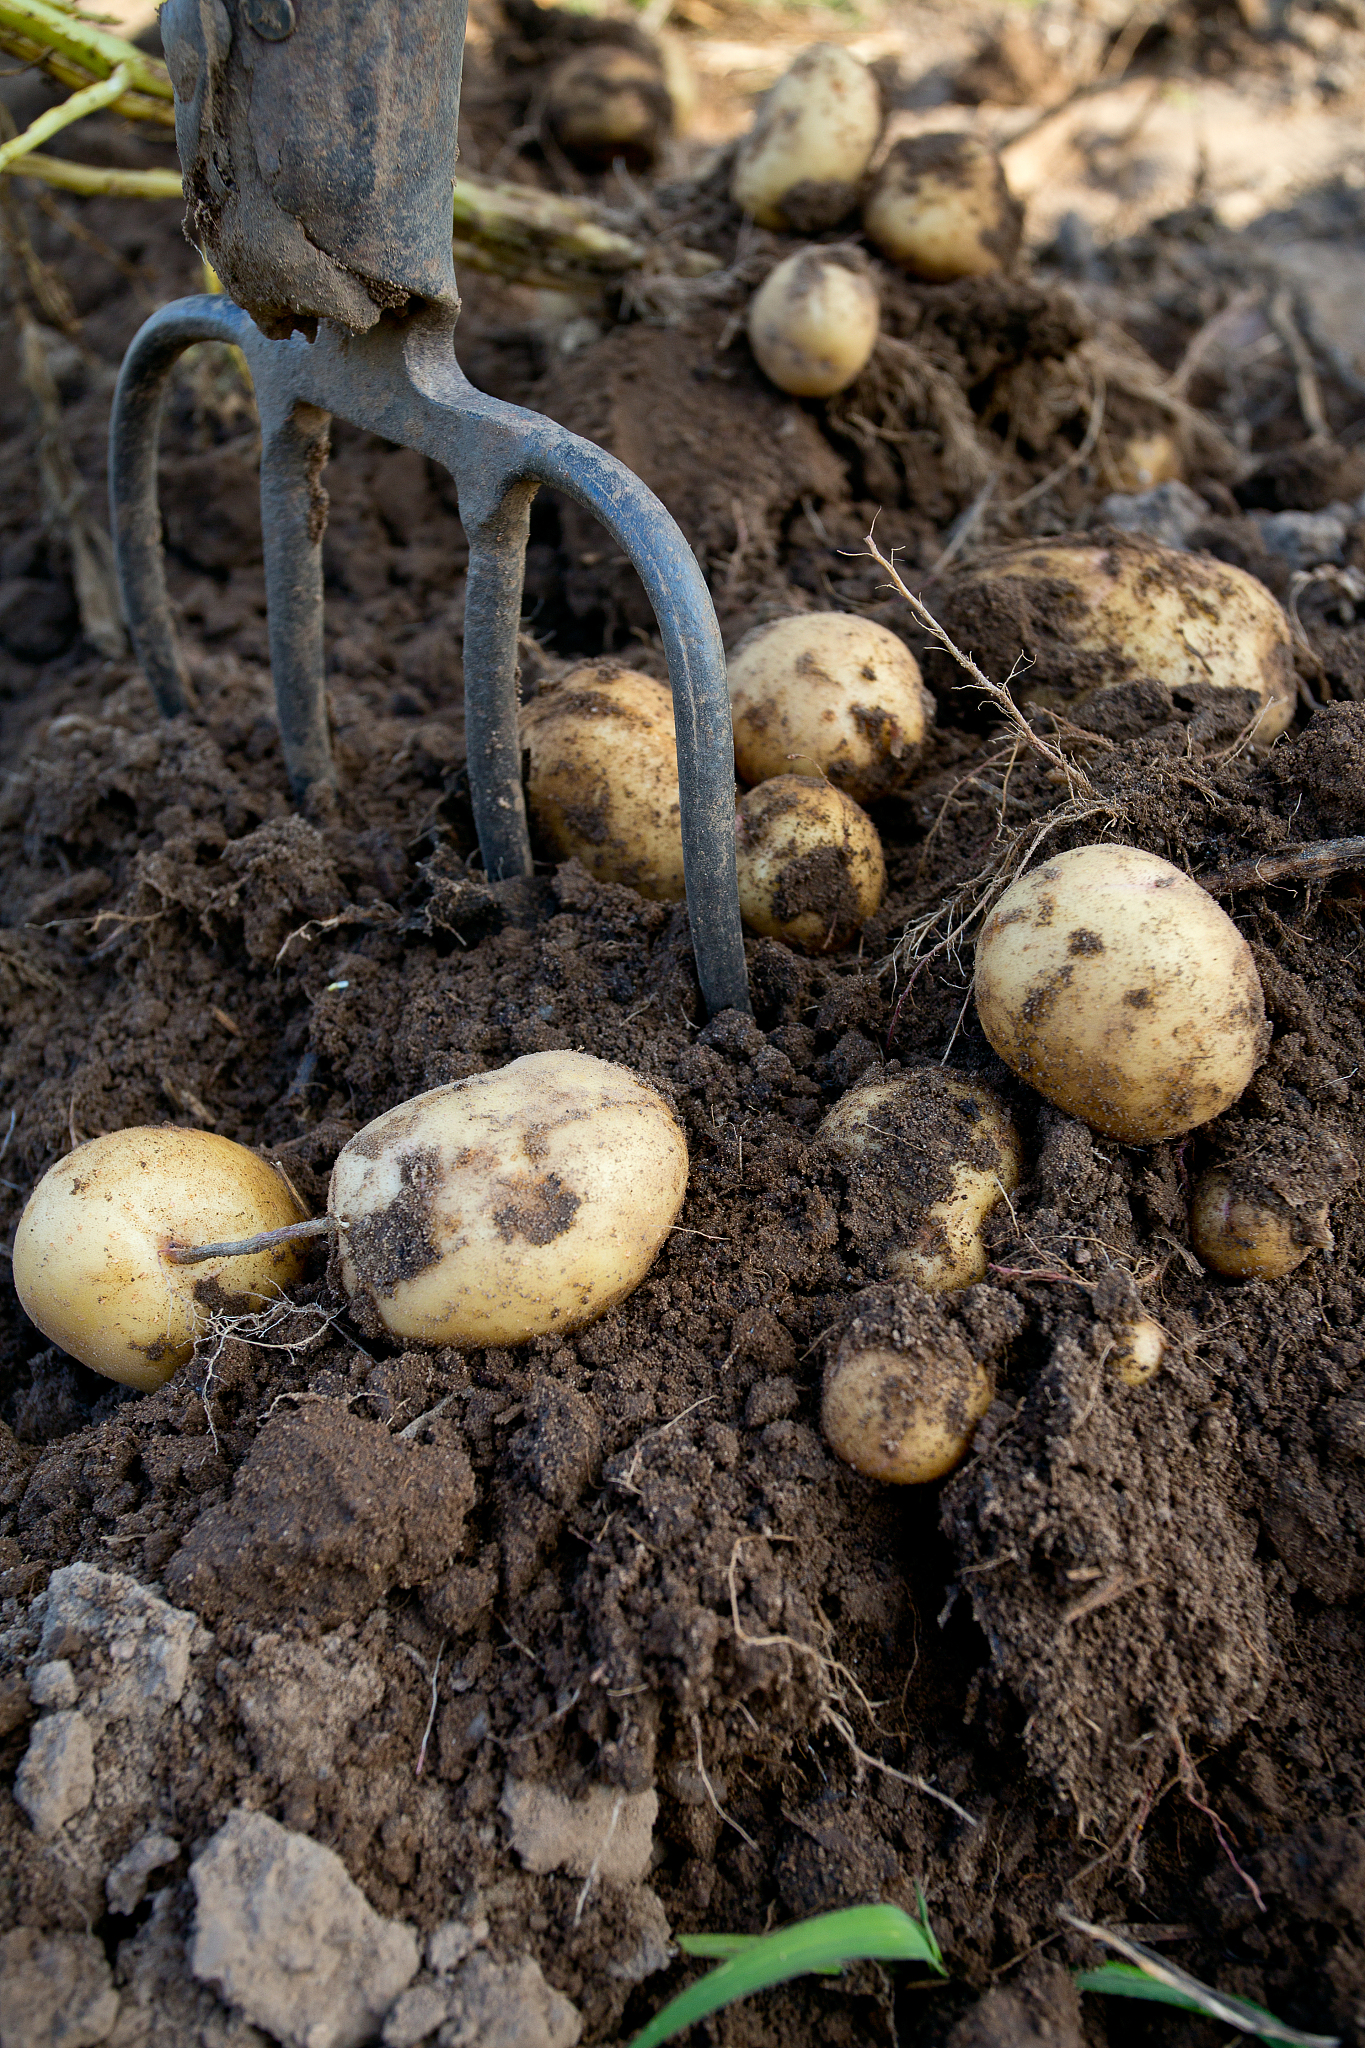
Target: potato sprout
940, 207
939, 1152
508, 1205
603, 780
1244, 1230
1139, 1348
90, 1254
605, 102
1089, 615
831, 692
904, 1412
813, 321
800, 165
811, 869
1116, 987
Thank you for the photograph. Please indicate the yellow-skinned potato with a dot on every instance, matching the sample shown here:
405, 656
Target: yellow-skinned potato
938, 1152
1090, 615
89, 1254
830, 692
811, 868
904, 1414
605, 102
1245, 1231
1138, 1351
800, 165
940, 208
1145, 460
1118, 988
509, 1205
603, 781
813, 322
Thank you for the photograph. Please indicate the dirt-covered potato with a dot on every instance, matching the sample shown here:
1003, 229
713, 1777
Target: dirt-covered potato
831, 692
1139, 1348
811, 868
1115, 986
1093, 615
813, 321
904, 1408
939, 206
515, 1203
90, 1265
1246, 1230
935, 1153
800, 165
605, 102
602, 784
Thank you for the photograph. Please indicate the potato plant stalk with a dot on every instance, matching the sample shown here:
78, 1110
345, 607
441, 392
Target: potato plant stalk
245, 1247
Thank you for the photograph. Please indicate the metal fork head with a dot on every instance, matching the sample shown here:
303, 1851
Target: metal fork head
401, 380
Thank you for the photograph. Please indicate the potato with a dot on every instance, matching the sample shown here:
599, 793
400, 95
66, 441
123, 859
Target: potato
1145, 460
939, 206
89, 1255
509, 1205
605, 102
1245, 1230
800, 165
811, 870
832, 692
937, 1153
1116, 987
1138, 1351
603, 781
813, 321
904, 1412
1090, 615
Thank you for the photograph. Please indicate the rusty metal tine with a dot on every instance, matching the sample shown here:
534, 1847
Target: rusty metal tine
492, 619
294, 452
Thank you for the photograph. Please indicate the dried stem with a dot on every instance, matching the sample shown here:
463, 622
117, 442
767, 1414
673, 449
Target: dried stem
1297, 865
243, 1247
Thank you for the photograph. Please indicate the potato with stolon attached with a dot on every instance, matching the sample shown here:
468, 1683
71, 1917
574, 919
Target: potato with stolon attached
800, 165
832, 693
940, 207
813, 322
810, 863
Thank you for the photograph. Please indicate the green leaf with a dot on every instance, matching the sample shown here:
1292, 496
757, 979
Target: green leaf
1177, 1987
823, 1945
723, 1946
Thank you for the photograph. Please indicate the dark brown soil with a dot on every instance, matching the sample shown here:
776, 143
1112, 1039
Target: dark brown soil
1126, 1637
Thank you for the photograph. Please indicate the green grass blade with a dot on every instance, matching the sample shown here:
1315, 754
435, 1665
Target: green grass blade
720, 1947
881, 1934
1127, 1980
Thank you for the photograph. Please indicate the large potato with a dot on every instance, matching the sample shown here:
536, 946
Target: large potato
940, 207
813, 321
1089, 615
90, 1265
800, 164
509, 1205
828, 691
1116, 987
603, 780
936, 1153
811, 868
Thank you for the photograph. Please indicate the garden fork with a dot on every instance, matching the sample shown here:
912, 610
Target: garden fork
317, 145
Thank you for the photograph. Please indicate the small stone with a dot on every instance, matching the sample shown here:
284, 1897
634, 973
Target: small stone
416, 2015
55, 1991
507, 2005
1305, 540
1167, 512
54, 1685
449, 1944
56, 1779
608, 1833
126, 1884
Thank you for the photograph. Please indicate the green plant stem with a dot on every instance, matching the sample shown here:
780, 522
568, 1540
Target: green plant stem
89, 100
94, 181
86, 44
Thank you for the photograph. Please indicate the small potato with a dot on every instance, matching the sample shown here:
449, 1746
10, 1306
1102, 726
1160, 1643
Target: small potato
1244, 1230
516, 1203
1116, 987
605, 102
1145, 460
940, 207
800, 165
1138, 1351
603, 781
89, 1254
904, 1414
937, 1153
811, 869
813, 322
828, 691
1092, 615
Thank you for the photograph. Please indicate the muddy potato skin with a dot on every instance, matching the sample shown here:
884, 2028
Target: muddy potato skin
810, 863
800, 164
604, 102
511, 1204
904, 1417
1119, 990
88, 1264
829, 691
813, 323
1245, 1232
603, 780
944, 1249
940, 208
1093, 614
